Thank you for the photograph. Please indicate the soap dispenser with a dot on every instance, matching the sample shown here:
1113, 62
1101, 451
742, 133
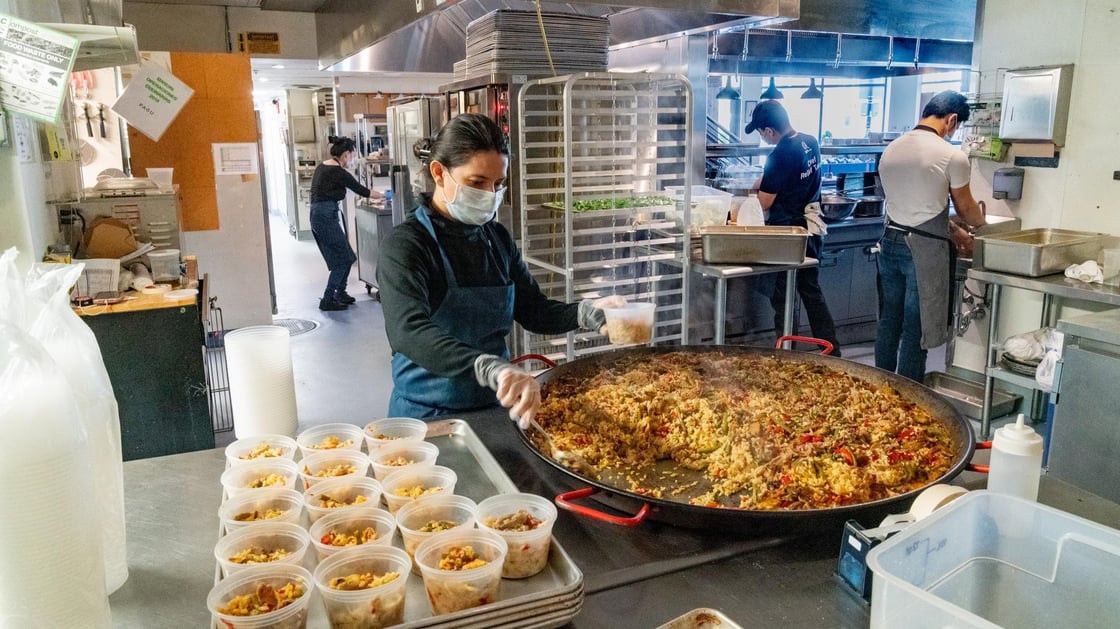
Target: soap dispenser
1016, 462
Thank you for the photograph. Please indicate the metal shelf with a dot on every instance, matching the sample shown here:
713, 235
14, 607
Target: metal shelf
1005, 375
596, 136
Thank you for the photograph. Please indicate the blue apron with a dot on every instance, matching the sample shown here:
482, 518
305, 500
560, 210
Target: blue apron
478, 316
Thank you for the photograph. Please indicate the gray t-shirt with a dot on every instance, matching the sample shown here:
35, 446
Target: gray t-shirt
917, 170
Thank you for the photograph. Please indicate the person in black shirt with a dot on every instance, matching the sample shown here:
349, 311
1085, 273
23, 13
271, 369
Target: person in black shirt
791, 187
453, 282
328, 187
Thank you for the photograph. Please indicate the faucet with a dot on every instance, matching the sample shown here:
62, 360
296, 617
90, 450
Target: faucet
973, 308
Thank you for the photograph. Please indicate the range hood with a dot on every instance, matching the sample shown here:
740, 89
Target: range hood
105, 40
430, 35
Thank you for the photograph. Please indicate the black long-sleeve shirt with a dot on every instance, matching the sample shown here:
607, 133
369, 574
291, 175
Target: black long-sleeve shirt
412, 286
330, 181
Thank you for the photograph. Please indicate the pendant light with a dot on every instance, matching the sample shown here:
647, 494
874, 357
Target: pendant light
772, 92
813, 91
727, 92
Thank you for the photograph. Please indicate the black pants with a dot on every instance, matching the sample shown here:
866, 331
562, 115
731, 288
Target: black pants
812, 299
333, 245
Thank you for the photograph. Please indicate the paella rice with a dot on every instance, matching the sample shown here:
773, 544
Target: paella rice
758, 432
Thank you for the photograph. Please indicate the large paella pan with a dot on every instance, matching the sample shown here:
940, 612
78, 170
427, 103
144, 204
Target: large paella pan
746, 439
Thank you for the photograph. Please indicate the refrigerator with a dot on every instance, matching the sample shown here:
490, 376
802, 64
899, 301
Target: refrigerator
408, 122
1085, 434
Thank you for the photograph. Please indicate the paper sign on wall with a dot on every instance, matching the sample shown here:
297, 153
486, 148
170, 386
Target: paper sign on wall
235, 158
152, 100
35, 65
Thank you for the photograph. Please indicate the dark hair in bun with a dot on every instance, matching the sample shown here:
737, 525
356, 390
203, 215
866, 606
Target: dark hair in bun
340, 146
459, 140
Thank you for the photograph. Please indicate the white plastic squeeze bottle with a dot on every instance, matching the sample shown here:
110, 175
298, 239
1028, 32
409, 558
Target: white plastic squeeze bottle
1016, 463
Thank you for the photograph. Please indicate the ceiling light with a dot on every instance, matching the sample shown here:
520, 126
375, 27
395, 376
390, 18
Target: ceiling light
727, 92
263, 79
379, 95
772, 92
278, 66
813, 91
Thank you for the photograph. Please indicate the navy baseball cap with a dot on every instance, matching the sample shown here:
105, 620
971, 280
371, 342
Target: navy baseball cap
768, 113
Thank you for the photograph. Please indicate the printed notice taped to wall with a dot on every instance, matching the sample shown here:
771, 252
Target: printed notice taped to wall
152, 100
35, 64
235, 159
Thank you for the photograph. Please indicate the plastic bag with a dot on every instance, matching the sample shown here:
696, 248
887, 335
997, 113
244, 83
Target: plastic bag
1052, 342
73, 346
53, 566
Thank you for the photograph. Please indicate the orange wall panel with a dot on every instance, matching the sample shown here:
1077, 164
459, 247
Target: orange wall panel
220, 110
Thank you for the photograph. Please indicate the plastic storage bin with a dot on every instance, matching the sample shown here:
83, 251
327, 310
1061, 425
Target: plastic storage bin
165, 264
709, 205
990, 560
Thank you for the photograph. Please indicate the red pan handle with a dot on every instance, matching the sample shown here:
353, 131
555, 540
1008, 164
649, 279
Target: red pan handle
805, 339
976, 467
564, 501
525, 357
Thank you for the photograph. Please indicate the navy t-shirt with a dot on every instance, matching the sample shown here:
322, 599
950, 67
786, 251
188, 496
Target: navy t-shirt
793, 173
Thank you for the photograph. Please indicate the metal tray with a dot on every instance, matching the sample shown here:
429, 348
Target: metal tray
731, 244
968, 397
549, 599
701, 618
1036, 252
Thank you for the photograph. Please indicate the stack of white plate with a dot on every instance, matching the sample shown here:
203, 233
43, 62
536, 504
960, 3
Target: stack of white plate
510, 42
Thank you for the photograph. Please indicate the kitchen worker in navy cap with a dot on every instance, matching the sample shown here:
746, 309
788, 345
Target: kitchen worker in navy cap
453, 282
790, 193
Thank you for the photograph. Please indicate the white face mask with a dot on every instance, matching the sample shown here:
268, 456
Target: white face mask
471, 205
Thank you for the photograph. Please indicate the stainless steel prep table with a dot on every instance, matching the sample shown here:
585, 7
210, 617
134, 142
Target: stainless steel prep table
724, 272
641, 576
1053, 287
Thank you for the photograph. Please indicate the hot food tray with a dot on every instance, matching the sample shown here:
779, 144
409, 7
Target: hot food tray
549, 599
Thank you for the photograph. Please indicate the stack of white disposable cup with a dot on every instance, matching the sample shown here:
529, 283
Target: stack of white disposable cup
262, 387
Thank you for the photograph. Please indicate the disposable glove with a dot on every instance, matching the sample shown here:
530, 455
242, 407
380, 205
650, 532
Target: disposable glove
591, 315
517, 390
813, 221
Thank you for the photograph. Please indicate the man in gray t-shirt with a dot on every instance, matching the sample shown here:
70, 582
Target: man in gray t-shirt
920, 172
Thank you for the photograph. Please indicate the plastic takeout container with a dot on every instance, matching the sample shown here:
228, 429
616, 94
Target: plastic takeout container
631, 324
352, 522
393, 429
349, 491
259, 447
336, 436
332, 464
255, 507
454, 590
398, 456
291, 616
266, 536
989, 560
379, 606
528, 550
405, 485
414, 516
161, 177
274, 473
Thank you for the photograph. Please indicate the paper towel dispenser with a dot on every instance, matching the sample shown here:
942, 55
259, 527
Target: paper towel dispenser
1036, 104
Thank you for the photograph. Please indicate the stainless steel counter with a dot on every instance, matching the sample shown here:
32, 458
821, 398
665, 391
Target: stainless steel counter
640, 576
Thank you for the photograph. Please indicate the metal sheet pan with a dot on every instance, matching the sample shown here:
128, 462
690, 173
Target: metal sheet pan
548, 599
614, 491
732, 244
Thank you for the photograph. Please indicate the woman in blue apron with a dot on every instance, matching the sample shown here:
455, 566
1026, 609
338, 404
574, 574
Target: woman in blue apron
328, 187
453, 282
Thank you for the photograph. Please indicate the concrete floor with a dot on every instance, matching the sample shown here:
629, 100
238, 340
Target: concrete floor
341, 368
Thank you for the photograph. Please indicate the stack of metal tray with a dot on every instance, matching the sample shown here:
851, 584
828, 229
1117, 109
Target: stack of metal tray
549, 599
510, 42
